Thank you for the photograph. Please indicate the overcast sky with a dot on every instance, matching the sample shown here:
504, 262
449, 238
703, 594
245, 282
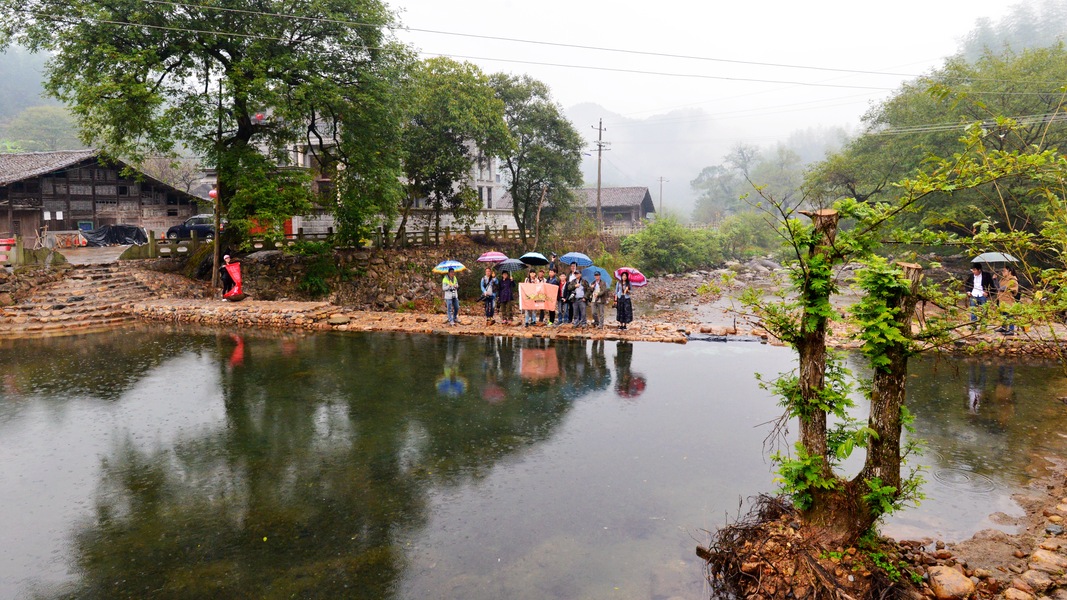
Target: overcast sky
894, 40
903, 37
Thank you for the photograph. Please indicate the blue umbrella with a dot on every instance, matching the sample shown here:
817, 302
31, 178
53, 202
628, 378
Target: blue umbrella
576, 257
534, 259
605, 276
443, 267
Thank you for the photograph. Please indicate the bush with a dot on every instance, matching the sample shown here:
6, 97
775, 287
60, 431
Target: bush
747, 234
667, 247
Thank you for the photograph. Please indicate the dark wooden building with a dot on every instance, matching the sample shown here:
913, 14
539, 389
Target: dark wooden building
78, 190
618, 205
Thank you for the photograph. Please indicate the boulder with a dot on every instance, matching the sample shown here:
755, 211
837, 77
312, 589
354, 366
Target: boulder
1016, 594
949, 584
1039, 581
1049, 562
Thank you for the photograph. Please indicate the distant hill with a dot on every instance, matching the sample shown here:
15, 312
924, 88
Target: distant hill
22, 73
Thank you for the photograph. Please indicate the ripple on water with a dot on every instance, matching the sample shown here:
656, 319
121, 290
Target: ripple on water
960, 479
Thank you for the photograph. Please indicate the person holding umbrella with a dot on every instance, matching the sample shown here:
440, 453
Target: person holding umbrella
488, 285
553, 279
979, 286
624, 308
450, 286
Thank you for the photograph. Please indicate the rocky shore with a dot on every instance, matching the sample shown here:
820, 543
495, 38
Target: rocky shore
322, 316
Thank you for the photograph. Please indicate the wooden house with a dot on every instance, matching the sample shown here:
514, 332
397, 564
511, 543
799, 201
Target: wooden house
79, 189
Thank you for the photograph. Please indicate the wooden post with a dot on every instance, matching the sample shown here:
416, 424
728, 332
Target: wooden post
195, 243
426, 236
153, 249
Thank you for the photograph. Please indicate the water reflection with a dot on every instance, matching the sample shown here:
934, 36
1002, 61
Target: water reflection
327, 447
200, 464
989, 427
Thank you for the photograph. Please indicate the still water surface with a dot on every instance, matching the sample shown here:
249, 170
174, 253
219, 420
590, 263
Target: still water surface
176, 463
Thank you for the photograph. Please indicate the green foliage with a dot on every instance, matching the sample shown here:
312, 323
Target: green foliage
44, 129
320, 270
925, 119
454, 119
158, 83
664, 246
746, 234
883, 285
798, 477
544, 161
309, 248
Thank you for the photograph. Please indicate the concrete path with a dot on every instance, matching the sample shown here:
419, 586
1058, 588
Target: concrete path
89, 255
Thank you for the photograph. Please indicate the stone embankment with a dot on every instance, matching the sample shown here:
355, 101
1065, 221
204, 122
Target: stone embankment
323, 316
80, 299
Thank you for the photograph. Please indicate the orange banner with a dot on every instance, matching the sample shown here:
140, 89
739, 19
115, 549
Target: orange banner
537, 296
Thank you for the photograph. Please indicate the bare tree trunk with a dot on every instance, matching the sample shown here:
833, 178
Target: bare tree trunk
537, 220
407, 210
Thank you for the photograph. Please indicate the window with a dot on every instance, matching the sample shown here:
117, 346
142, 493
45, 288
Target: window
489, 198
124, 190
172, 212
481, 194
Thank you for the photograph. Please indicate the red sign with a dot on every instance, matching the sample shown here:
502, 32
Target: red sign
5, 245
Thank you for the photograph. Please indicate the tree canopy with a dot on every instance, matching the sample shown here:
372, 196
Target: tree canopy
927, 117
544, 162
237, 83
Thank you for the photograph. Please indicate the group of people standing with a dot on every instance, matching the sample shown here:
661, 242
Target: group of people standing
577, 302
982, 286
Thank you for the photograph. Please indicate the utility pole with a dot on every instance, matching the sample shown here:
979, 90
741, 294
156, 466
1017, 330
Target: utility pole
600, 143
662, 180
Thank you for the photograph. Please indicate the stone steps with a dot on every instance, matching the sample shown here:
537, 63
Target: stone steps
90, 297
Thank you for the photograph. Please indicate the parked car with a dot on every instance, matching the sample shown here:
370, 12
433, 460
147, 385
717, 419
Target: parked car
203, 225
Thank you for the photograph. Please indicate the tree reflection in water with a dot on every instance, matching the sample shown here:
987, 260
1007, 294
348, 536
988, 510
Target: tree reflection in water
329, 449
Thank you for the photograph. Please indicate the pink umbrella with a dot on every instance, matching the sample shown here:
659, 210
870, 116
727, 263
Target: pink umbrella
637, 278
492, 257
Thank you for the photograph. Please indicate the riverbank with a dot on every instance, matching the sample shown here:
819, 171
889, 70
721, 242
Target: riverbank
322, 316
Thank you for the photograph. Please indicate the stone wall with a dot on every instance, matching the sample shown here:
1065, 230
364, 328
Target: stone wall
20, 284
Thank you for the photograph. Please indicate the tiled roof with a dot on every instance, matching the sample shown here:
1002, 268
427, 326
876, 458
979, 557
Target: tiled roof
16, 167
609, 196
614, 196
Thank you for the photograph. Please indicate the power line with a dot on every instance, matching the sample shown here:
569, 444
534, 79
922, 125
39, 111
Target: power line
560, 45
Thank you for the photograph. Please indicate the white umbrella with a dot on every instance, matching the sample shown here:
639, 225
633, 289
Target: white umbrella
994, 257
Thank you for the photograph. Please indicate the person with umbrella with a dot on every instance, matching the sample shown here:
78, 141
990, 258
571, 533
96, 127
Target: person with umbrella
488, 285
505, 294
624, 308
450, 286
599, 295
979, 286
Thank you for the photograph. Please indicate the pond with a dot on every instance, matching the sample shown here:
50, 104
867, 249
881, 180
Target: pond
192, 463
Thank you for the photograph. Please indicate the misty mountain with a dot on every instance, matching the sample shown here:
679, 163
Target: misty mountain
22, 73
1031, 24
675, 145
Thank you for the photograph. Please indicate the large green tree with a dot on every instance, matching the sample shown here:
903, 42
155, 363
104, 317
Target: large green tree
452, 118
545, 161
927, 116
237, 82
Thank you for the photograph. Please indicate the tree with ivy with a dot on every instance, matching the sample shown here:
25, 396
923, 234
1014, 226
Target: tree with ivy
818, 393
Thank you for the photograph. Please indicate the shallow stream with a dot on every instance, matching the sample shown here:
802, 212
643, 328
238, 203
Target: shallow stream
192, 463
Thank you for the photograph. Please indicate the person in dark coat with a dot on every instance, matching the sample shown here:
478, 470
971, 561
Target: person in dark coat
505, 294
624, 308
979, 286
